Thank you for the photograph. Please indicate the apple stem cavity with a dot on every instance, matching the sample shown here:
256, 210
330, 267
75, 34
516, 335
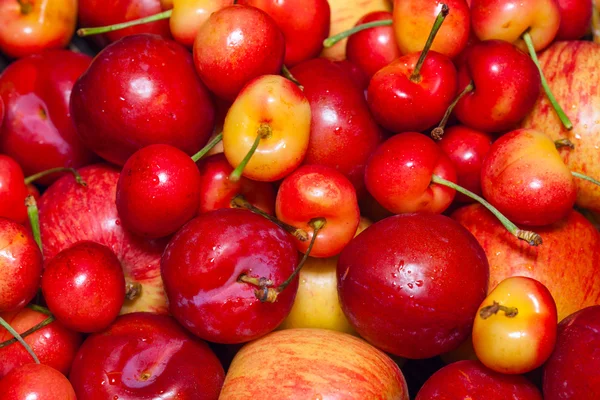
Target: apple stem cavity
437, 24
264, 132
560, 143
34, 220
133, 290
240, 201
438, 132
209, 146
109, 28
585, 177
287, 74
331, 41
528, 236
559, 111
488, 311
39, 175
18, 337
26, 6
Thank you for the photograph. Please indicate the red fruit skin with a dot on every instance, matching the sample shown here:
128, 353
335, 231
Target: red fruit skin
373, 48
158, 191
575, 19
305, 25
398, 174
54, 344
20, 266
148, 87
358, 77
202, 264
491, 107
470, 379
84, 287
236, 45
12, 190
572, 370
38, 131
467, 149
343, 134
410, 284
400, 104
217, 190
145, 356
36, 381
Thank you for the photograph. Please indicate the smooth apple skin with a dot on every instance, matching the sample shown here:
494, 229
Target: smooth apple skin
312, 363
36, 381
571, 70
146, 356
70, 213
572, 370
566, 263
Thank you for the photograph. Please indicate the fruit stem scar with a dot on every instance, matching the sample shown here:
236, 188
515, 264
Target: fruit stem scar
437, 24
438, 132
330, 41
18, 337
26, 6
133, 290
564, 142
109, 28
488, 311
209, 146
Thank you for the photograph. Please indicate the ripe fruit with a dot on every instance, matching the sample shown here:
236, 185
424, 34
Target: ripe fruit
36, 381
12, 190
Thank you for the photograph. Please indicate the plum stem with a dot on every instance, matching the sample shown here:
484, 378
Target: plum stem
585, 177
330, 41
530, 237
488, 311
209, 146
239, 201
18, 337
50, 171
438, 132
264, 131
564, 142
559, 111
34, 220
29, 331
287, 74
109, 28
437, 24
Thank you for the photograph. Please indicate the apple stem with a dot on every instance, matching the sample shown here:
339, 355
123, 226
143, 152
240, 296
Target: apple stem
133, 290
585, 177
488, 311
29, 331
560, 143
437, 24
330, 41
34, 220
287, 74
109, 28
50, 171
209, 146
264, 131
559, 111
530, 237
438, 132
239, 201
18, 337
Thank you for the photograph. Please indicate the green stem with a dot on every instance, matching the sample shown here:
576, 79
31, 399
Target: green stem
29, 331
34, 220
264, 131
438, 132
51, 171
208, 147
559, 111
530, 237
109, 28
18, 337
39, 309
437, 24
330, 41
287, 74
585, 177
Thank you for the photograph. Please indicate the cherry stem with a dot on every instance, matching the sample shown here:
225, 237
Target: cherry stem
559, 111
34, 219
438, 132
109, 28
239, 201
585, 177
287, 74
133, 290
488, 311
51, 171
560, 143
209, 146
29, 331
437, 24
39, 309
264, 131
330, 41
18, 337
530, 237
26, 6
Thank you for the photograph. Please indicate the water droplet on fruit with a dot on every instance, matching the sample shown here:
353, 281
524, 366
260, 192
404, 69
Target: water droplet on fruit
411, 296
419, 283
394, 275
410, 285
117, 222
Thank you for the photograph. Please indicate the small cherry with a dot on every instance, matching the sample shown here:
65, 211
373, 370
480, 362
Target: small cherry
12, 190
36, 381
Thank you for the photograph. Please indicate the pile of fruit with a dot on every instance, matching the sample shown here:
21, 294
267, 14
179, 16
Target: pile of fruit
299, 199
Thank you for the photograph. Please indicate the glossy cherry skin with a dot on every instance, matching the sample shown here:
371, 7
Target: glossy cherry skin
305, 24
12, 190
411, 283
148, 87
217, 190
158, 191
145, 356
188, 16
401, 104
491, 107
36, 381
472, 380
53, 344
20, 266
353, 71
398, 174
343, 134
467, 149
572, 370
236, 45
38, 131
575, 19
202, 264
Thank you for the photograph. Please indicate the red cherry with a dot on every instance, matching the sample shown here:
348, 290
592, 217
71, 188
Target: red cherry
36, 381
12, 190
